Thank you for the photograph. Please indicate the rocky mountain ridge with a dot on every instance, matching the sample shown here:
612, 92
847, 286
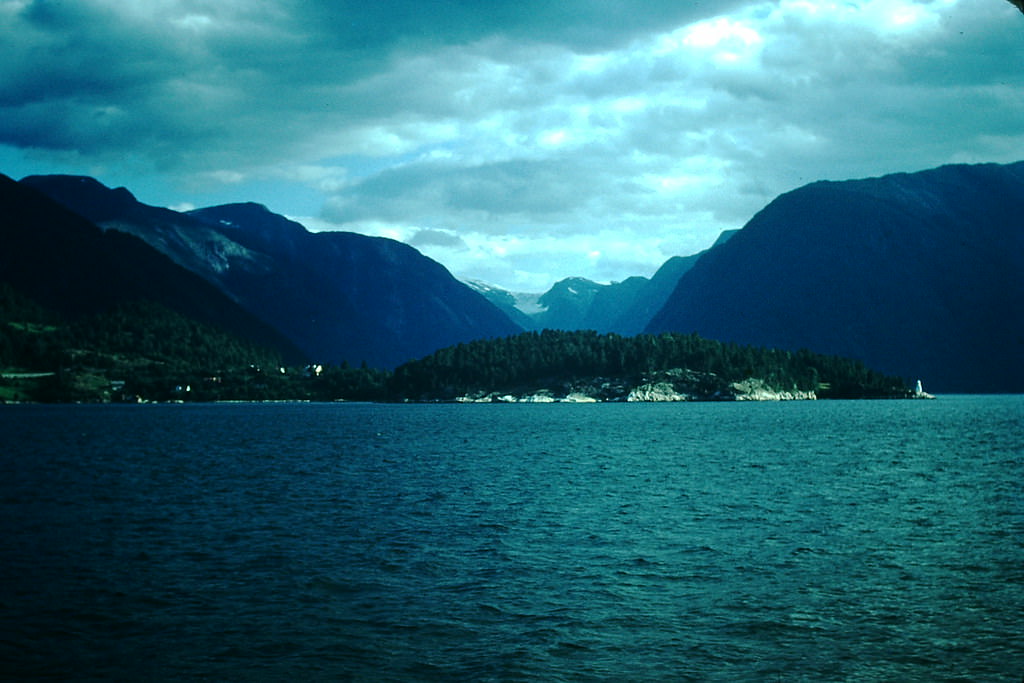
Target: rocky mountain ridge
67, 264
576, 303
339, 297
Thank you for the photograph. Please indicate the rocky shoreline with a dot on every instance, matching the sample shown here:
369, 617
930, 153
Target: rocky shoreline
675, 385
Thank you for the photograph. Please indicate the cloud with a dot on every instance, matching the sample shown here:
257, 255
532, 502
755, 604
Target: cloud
527, 135
437, 238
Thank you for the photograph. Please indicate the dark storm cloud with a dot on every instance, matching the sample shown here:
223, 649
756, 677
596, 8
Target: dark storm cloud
211, 84
581, 25
547, 186
599, 134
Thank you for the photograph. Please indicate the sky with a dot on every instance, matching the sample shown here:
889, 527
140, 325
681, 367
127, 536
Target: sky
517, 142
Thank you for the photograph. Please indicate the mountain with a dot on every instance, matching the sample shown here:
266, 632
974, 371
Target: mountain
188, 242
339, 297
577, 303
567, 305
916, 274
517, 307
369, 298
574, 303
634, 318
65, 263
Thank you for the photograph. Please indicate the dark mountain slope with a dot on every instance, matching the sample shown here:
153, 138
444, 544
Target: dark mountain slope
505, 301
337, 296
625, 307
352, 297
567, 305
634, 318
915, 274
576, 303
189, 242
67, 264
612, 302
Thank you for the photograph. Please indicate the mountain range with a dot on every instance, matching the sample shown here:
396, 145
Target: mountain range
67, 264
577, 303
916, 274
338, 297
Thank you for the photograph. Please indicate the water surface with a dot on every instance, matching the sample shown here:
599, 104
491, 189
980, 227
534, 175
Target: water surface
812, 541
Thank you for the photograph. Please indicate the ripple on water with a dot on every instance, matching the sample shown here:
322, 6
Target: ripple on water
828, 541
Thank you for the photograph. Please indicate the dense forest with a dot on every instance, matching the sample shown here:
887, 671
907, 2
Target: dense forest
143, 351
552, 360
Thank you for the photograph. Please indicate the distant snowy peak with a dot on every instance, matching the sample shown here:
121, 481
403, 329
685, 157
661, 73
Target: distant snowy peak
529, 302
519, 306
576, 303
571, 288
485, 288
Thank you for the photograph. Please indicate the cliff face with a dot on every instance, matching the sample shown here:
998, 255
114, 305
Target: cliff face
917, 275
757, 390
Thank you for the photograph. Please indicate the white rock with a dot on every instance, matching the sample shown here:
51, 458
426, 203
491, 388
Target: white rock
659, 391
576, 397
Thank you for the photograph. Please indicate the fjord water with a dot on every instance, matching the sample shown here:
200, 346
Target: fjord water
812, 541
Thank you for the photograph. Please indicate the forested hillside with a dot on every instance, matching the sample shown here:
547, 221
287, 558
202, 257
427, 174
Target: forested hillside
550, 359
63, 262
141, 351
